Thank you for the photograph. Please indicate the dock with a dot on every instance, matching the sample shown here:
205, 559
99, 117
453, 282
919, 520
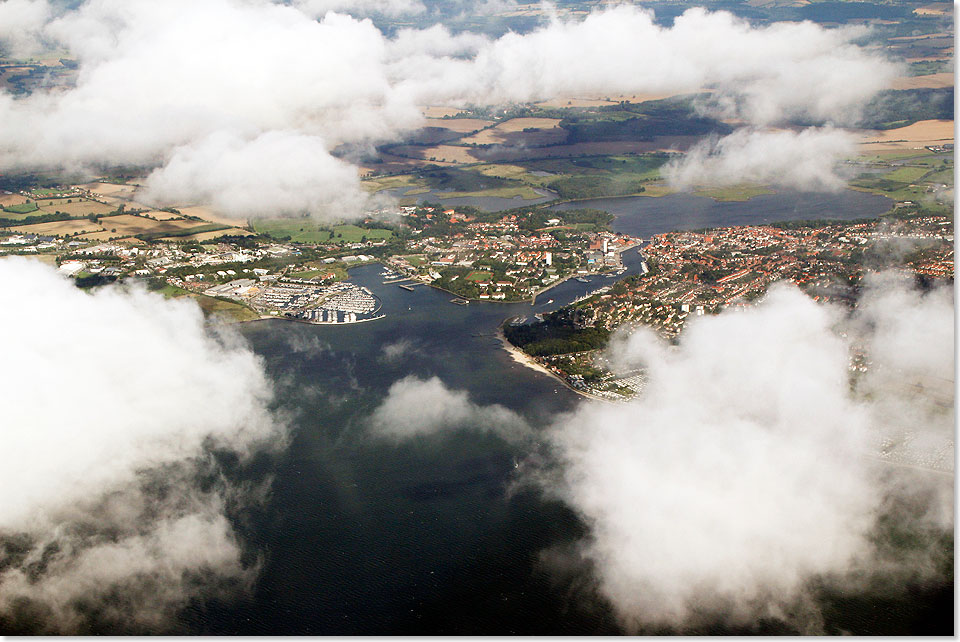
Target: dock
405, 287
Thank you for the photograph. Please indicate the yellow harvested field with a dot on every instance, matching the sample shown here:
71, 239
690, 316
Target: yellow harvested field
519, 124
574, 102
454, 154
206, 236
935, 9
160, 215
459, 125
612, 99
130, 225
917, 135
76, 208
435, 111
58, 228
208, 214
109, 189
104, 235
442, 153
930, 81
511, 132
7, 200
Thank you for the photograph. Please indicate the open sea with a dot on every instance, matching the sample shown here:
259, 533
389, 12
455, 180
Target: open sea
432, 536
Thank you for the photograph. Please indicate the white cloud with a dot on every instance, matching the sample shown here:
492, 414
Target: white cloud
388, 8
21, 22
806, 160
111, 403
278, 173
420, 407
744, 472
163, 84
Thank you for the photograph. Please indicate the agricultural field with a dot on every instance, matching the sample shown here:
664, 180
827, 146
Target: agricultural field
214, 234
917, 135
24, 209
70, 227
521, 131
210, 215
458, 125
309, 231
131, 225
920, 176
7, 200
161, 215
437, 111
107, 235
733, 192
929, 81
76, 208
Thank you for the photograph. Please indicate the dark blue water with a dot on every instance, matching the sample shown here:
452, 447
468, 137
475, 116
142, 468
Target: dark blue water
431, 536
646, 215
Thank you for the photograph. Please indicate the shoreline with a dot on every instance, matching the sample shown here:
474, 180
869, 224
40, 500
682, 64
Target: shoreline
522, 358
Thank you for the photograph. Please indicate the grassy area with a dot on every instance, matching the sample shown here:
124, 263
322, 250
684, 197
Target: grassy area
48, 192
354, 234
318, 269
228, 309
22, 208
298, 230
416, 260
307, 231
733, 192
514, 172
479, 275
523, 191
906, 174
390, 182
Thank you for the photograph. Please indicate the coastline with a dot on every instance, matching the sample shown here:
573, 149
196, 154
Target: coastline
522, 358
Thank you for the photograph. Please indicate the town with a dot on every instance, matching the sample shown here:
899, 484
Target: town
690, 274
95, 239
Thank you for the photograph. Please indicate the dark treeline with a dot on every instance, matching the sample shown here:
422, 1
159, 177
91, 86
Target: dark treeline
898, 108
556, 334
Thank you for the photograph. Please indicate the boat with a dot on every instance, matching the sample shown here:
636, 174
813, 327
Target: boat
460, 301
583, 280
519, 321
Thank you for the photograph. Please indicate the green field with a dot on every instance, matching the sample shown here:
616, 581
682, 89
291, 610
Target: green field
479, 275
305, 231
523, 191
416, 260
49, 192
906, 174
733, 192
23, 208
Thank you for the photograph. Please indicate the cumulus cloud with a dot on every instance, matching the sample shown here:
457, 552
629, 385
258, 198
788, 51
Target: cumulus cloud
113, 511
276, 174
396, 350
806, 159
172, 84
21, 22
386, 8
746, 470
419, 407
